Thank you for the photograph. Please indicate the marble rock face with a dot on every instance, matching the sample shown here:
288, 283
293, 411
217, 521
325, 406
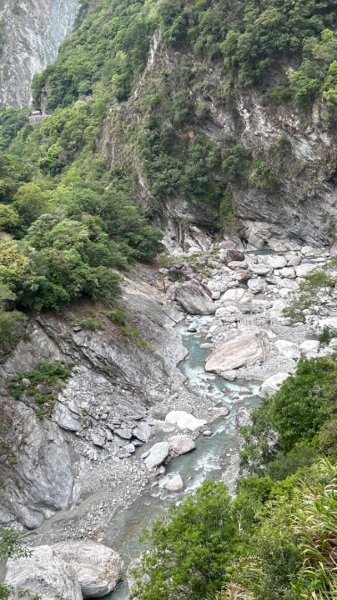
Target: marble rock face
194, 298
44, 574
238, 352
97, 567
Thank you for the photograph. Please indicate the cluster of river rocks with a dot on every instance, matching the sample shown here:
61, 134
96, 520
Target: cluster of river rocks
249, 338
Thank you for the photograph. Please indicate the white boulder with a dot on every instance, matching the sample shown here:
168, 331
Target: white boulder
175, 484
184, 420
310, 348
287, 273
328, 323
44, 574
237, 296
304, 269
228, 314
288, 349
181, 444
293, 259
240, 351
97, 567
157, 454
260, 269
272, 384
276, 311
276, 261
256, 285
308, 251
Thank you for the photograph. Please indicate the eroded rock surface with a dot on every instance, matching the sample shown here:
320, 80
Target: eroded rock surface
98, 568
238, 352
102, 410
44, 574
194, 299
31, 32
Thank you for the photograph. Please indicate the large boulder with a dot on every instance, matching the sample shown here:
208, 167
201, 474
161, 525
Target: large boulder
232, 254
328, 323
44, 574
237, 296
309, 348
287, 273
288, 349
276, 261
228, 314
272, 384
238, 352
194, 298
97, 567
257, 285
305, 269
157, 455
184, 420
181, 444
260, 269
175, 484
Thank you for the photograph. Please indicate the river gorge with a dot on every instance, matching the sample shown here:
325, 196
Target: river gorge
232, 343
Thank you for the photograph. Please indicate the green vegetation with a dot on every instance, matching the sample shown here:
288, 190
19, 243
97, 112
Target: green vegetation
191, 547
295, 424
12, 322
67, 219
69, 236
90, 324
118, 316
277, 538
40, 386
326, 336
308, 291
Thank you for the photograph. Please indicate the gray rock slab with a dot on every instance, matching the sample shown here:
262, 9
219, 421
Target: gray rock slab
97, 567
44, 574
194, 298
158, 453
142, 432
181, 444
240, 351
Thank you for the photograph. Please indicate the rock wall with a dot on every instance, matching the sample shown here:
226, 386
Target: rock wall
100, 413
297, 203
30, 34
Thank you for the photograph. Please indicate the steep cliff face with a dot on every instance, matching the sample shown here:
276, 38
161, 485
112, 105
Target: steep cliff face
30, 33
288, 193
102, 408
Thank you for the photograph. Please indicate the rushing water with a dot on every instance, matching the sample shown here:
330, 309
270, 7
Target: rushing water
214, 456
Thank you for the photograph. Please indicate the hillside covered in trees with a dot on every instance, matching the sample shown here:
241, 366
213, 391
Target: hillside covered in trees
157, 118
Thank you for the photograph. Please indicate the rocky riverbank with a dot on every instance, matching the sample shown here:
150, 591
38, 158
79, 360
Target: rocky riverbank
151, 414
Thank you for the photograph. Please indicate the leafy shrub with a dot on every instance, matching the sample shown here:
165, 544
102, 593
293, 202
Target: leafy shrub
117, 316
12, 322
90, 324
287, 426
326, 335
188, 551
40, 386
